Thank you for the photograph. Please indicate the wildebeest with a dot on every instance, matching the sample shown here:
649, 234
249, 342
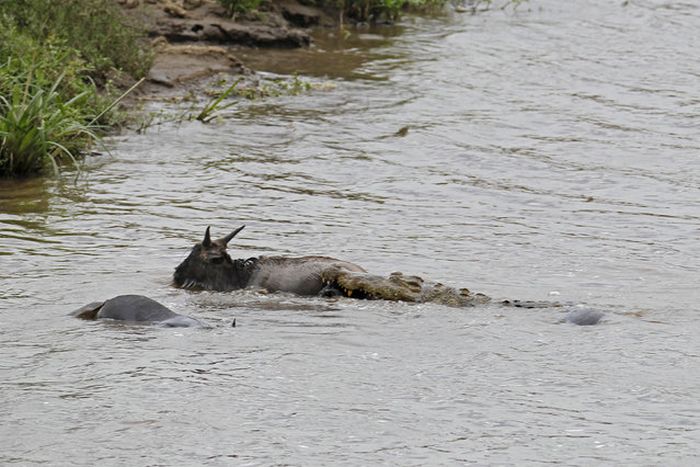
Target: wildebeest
137, 309
209, 267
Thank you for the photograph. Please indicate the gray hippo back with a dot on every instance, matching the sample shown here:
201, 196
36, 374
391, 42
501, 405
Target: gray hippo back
135, 308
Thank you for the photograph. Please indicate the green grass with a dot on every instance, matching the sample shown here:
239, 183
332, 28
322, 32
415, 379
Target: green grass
103, 35
371, 11
56, 58
39, 129
376, 11
216, 104
235, 7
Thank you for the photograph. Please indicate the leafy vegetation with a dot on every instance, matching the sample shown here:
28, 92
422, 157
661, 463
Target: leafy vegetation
52, 54
38, 127
390, 10
383, 10
208, 113
373, 11
234, 7
103, 35
224, 94
278, 87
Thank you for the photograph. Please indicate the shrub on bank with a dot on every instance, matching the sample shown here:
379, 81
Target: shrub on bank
234, 7
390, 10
371, 11
357, 10
51, 55
98, 29
382, 10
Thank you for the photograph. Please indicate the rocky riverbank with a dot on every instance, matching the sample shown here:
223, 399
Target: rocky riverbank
194, 40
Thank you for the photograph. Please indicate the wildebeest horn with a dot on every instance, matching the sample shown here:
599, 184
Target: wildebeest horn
207, 239
228, 237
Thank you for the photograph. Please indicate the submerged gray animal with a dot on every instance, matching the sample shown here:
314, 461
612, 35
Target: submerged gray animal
581, 316
138, 309
209, 267
584, 316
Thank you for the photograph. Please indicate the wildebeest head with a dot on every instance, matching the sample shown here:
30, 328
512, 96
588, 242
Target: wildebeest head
209, 266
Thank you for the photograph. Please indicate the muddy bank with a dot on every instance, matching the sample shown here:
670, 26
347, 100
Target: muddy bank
194, 40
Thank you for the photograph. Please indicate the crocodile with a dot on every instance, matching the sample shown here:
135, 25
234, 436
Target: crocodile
209, 267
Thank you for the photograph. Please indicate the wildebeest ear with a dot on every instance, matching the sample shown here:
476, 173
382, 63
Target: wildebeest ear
228, 237
206, 243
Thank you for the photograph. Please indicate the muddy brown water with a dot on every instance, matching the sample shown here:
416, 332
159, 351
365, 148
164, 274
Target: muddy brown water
551, 154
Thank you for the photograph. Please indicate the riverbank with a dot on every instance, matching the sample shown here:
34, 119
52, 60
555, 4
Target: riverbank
72, 61
194, 40
68, 66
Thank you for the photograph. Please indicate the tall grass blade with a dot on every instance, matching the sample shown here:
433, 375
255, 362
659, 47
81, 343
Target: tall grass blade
206, 115
116, 101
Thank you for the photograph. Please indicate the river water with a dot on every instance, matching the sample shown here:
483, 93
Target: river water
552, 153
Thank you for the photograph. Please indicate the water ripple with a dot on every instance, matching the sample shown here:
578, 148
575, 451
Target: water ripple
547, 153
